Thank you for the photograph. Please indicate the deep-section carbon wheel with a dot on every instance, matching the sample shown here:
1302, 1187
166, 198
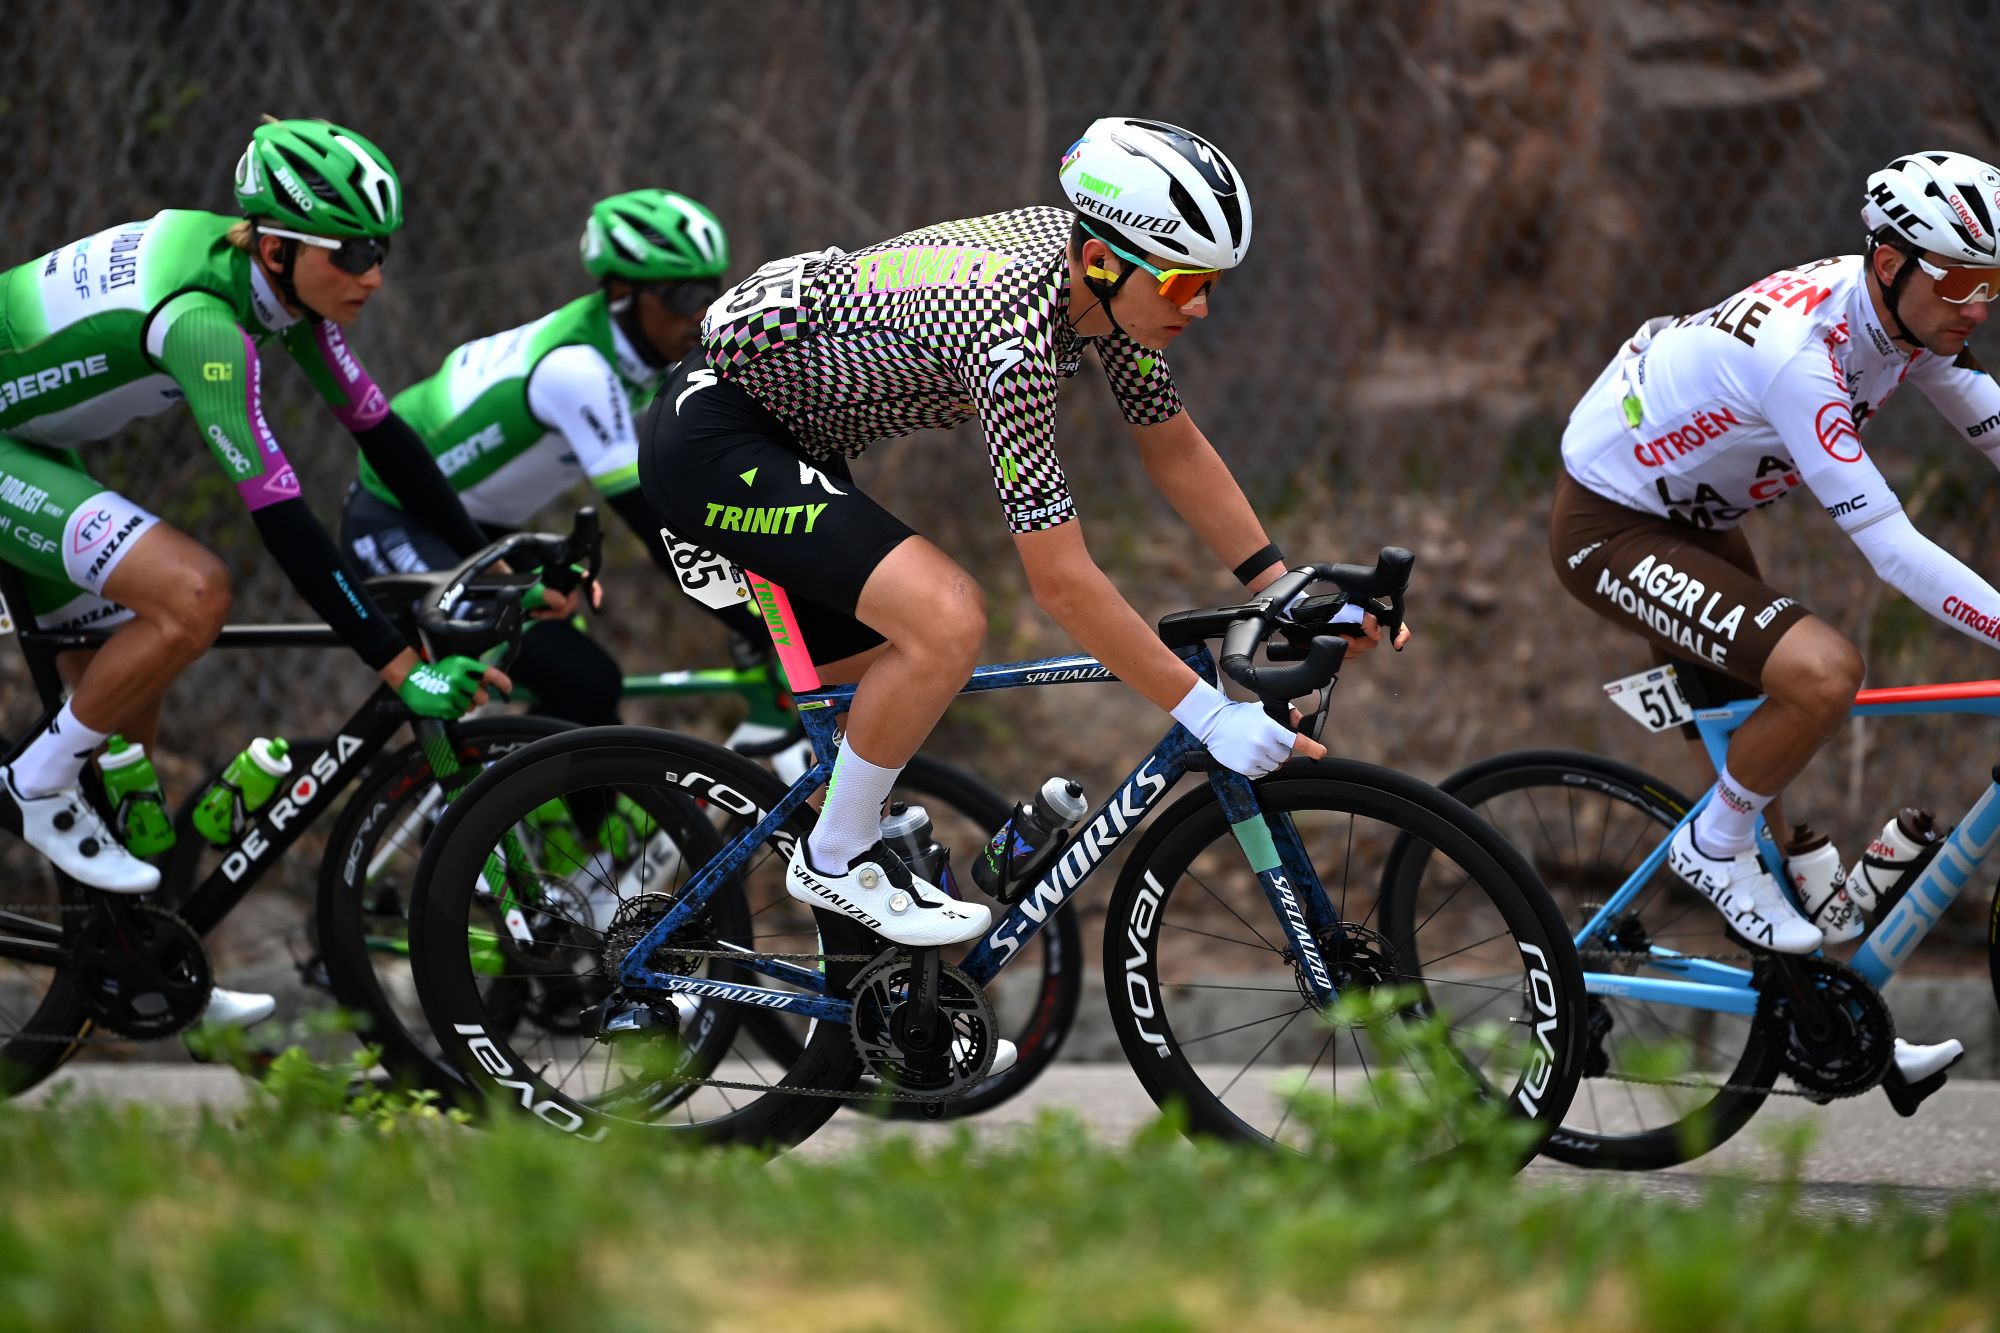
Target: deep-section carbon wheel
1208, 999
1662, 1083
674, 1070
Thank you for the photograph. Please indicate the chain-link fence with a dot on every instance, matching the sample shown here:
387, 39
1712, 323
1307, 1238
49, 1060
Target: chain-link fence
1462, 205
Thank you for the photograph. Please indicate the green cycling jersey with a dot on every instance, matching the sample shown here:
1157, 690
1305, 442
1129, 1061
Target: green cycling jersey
517, 417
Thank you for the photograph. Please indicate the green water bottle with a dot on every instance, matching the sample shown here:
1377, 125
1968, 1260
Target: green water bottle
250, 780
139, 811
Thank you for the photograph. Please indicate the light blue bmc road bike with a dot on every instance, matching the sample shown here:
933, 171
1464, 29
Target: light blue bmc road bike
1688, 1027
1241, 917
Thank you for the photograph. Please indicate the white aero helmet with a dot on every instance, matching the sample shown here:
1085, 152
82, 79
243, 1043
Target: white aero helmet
1160, 189
1947, 203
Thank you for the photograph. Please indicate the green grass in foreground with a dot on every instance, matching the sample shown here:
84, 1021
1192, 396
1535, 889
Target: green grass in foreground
291, 1216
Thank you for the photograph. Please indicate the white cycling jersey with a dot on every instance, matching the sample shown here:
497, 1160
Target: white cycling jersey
1704, 418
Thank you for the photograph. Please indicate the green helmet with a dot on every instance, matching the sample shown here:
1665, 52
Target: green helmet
317, 177
653, 236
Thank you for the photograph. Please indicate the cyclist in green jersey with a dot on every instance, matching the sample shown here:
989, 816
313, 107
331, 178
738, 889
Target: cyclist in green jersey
127, 323
517, 418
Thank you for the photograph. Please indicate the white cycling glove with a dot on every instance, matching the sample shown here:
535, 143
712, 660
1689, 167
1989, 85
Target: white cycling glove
1239, 735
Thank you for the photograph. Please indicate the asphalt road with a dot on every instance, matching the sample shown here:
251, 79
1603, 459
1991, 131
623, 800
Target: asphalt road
1949, 1149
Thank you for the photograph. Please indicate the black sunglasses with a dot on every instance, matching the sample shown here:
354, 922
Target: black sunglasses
688, 298
353, 254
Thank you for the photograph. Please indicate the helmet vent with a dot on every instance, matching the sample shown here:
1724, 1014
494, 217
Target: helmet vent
654, 236
1184, 204
321, 187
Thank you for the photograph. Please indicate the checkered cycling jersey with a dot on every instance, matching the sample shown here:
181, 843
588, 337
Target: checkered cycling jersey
930, 329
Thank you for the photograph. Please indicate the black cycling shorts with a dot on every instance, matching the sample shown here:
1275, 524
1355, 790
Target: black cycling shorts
726, 474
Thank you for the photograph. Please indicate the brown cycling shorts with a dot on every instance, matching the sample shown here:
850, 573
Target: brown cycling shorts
1695, 594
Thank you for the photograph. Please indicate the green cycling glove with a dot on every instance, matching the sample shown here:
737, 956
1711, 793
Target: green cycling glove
442, 689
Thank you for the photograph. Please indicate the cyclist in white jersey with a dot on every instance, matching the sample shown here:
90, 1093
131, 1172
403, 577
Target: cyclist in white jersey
1700, 420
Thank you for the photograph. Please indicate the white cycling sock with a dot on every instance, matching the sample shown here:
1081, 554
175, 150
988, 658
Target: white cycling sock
54, 760
1727, 825
850, 821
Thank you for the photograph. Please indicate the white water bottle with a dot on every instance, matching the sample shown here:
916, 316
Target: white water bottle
1904, 838
1821, 885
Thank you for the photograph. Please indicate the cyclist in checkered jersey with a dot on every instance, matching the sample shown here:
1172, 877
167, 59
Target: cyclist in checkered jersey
815, 357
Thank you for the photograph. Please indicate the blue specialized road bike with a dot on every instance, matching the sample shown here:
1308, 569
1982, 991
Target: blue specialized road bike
1689, 1028
1241, 917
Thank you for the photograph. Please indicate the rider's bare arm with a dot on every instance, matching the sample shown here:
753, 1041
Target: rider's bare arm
1185, 468
1069, 586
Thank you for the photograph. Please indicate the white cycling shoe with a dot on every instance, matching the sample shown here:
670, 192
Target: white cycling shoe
1918, 1063
63, 827
236, 1008
880, 892
1746, 895
1005, 1053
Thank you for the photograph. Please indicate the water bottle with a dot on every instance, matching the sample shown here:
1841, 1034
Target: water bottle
1820, 884
139, 811
251, 779
1909, 835
907, 831
1015, 857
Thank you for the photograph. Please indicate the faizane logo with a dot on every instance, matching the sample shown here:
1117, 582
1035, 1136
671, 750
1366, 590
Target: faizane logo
112, 547
1835, 427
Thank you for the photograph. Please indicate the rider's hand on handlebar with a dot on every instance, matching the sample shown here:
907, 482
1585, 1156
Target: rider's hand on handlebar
1240, 735
448, 688
1371, 636
545, 603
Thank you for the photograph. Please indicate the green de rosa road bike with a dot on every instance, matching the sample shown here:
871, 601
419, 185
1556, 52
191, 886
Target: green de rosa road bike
81, 969
1241, 919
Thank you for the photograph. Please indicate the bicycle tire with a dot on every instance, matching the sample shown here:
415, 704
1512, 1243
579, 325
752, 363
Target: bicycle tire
1582, 1140
1156, 1042
624, 758
348, 926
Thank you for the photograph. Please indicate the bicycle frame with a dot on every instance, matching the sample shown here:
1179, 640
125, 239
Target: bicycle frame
1701, 984
1272, 846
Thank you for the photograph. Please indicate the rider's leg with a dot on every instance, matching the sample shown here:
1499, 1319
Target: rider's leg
1809, 681
934, 618
180, 595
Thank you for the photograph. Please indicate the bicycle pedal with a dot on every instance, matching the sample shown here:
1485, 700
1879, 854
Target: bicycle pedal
1907, 1097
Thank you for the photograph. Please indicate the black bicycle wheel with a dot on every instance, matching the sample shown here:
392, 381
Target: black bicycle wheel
574, 1081
1034, 1000
1209, 1003
365, 882
1662, 1083
42, 1020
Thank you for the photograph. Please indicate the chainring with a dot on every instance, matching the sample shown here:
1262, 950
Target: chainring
1851, 1058
140, 971
879, 992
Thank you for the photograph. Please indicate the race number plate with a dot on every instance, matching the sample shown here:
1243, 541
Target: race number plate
704, 575
772, 287
1653, 699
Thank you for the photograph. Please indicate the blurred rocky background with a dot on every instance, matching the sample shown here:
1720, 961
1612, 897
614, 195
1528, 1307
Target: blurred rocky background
1461, 206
